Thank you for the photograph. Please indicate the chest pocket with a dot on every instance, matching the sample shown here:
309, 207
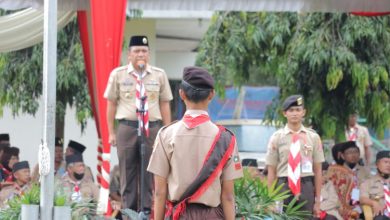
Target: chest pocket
127, 90
152, 91
376, 192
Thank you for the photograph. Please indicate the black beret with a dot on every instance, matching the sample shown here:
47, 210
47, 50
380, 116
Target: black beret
73, 158
139, 41
4, 137
335, 151
59, 142
76, 146
198, 78
20, 165
347, 145
294, 100
382, 154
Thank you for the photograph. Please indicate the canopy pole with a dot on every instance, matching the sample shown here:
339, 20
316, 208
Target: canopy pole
49, 94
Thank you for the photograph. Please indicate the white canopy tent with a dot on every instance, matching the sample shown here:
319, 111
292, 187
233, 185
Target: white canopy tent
222, 5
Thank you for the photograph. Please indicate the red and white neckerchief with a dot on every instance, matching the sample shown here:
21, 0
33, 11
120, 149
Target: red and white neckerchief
140, 92
76, 194
194, 121
387, 198
352, 134
294, 165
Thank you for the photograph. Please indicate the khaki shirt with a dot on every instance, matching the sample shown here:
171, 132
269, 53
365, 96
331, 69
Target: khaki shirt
360, 172
279, 149
178, 156
9, 192
121, 88
372, 188
330, 200
60, 172
363, 138
88, 189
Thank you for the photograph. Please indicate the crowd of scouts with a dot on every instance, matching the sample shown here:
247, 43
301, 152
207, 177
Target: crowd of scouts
191, 163
72, 176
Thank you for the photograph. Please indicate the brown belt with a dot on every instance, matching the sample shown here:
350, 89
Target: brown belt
134, 124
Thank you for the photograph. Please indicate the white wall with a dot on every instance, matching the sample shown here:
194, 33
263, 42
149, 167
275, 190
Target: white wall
174, 62
26, 133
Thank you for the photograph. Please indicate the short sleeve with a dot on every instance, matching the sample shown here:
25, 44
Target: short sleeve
159, 162
165, 90
272, 157
364, 189
233, 168
318, 154
111, 92
367, 138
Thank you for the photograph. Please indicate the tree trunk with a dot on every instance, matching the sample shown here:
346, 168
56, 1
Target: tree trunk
60, 125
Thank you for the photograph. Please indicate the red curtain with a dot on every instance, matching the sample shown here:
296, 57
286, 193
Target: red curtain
101, 32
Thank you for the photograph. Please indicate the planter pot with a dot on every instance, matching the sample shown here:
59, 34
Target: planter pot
62, 213
30, 212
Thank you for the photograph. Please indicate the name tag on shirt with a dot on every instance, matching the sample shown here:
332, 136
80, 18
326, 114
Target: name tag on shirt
355, 194
307, 166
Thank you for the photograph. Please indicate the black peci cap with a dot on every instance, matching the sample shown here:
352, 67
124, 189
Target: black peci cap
291, 101
198, 78
139, 41
20, 165
4, 137
347, 145
79, 148
59, 142
382, 154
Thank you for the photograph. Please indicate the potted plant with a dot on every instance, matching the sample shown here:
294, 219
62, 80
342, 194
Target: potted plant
30, 203
254, 200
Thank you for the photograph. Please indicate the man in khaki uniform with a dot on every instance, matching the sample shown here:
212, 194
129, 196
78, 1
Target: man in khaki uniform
372, 190
21, 172
59, 163
359, 134
121, 105
76, 186
310, 152
179, 154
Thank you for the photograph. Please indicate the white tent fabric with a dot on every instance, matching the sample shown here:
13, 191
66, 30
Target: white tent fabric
264, 5
223, 5
25, 28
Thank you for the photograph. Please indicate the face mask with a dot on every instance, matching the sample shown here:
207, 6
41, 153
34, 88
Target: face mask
78, 176
385, 176
351, 165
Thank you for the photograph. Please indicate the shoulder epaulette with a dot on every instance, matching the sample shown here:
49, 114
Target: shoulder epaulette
156, 68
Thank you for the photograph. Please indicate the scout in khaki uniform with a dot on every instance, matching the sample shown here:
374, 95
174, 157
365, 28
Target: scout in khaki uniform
329, 198
359, 134
76, 186
123, 94
373, 190
21, 173
59, 163
350, 153
194, 161
294, 157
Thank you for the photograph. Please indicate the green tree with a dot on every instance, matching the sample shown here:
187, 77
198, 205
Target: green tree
338, 61
21, 78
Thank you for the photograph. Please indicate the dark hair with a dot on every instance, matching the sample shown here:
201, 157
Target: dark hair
194, 94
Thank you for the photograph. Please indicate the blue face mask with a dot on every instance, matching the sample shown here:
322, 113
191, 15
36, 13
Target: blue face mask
78, 176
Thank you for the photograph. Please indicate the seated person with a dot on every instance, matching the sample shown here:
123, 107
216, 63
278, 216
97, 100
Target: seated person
329, 199
21, 182
115, 195
350, 153
59, 163
77, 186
77, 148
372, 190
9, 158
